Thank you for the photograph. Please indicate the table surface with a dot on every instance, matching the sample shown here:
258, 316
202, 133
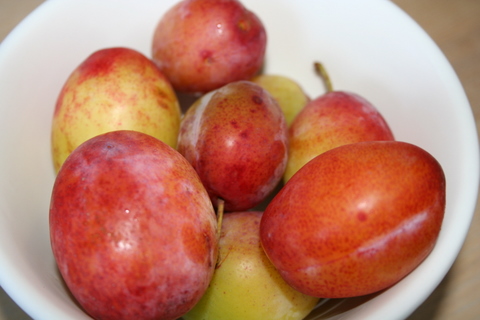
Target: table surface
455, 27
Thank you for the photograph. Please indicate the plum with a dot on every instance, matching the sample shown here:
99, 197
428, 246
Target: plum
245, 284
331, 120
132, 228
355, 219
113, 89
202, 45
236, 139
287, 92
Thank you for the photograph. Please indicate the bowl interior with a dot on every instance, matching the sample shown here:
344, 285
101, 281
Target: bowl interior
369, 47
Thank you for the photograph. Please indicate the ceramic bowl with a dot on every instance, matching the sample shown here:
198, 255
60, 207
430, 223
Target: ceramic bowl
370, 47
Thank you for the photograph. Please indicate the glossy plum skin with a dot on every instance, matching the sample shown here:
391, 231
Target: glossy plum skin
236, 139
355, 219
132, 228
202, 45
331, 120
114, 88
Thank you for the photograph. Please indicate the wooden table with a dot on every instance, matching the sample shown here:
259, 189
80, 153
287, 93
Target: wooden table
455, 26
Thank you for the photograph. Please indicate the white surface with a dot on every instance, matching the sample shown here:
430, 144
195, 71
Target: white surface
369, 47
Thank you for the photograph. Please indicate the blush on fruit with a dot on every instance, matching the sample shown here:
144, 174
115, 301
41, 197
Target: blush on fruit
113, 89
331, 120
202, 45
236, 139
355, 219
132, 228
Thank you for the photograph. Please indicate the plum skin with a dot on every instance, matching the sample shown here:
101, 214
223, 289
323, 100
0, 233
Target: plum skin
115, 88
236, 139
356, 219
331, 120
201, 45
132, 228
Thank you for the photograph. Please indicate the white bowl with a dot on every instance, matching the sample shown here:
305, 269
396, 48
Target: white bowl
369, 47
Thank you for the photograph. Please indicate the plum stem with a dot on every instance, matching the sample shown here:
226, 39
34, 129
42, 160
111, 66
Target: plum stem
324, 74
220, 209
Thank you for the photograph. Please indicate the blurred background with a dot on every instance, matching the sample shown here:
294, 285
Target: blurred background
455, 27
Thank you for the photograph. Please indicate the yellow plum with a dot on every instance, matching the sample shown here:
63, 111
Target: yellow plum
289, 94
245, 284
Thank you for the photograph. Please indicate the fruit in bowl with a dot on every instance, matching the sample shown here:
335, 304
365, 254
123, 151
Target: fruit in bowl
202, 45
28, 270
289, 94
236, 139
332, 119
245, 284
133, 230
113, 89
355, 219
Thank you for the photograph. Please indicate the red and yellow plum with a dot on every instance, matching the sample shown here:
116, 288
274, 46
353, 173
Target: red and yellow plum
355, 219
113, 89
